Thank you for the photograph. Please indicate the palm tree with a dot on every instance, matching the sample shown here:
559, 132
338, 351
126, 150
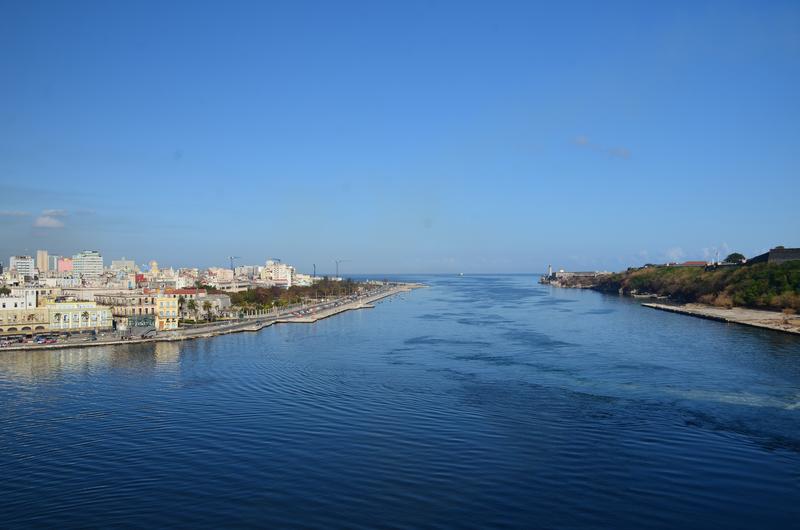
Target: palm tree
192, 305
207, 309
181, 302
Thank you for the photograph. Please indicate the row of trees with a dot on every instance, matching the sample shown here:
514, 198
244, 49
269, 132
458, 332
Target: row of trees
269, 297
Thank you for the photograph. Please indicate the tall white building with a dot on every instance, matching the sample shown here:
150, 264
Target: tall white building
88, 264
23, 265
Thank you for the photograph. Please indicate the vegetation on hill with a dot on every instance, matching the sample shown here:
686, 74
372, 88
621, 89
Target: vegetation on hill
763, 285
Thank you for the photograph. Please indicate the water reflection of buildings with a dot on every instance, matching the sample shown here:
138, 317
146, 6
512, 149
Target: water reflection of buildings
36, 366
167, 354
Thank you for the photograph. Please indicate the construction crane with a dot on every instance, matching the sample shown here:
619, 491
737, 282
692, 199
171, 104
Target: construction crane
233, 258
338, 261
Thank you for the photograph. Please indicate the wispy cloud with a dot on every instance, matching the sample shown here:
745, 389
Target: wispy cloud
50, 219
13, 213
46, 221
618, 152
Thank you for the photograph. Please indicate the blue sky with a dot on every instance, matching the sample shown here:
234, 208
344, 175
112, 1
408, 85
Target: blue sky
405, 137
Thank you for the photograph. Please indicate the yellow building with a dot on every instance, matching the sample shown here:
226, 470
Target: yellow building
78, 316
166, 313
23, 321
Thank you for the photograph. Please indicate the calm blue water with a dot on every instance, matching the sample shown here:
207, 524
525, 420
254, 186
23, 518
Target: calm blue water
482, 401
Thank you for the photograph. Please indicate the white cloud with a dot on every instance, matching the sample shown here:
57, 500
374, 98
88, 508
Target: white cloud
48, 221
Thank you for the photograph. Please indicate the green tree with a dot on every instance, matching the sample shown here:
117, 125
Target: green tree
735, 257
192, 305
5, 291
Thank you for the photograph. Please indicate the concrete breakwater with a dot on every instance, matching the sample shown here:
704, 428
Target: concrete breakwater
314, 313
737, 315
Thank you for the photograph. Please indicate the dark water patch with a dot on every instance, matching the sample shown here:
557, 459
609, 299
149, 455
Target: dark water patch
535, 340
766, 436
431, 316
484, 320
606, 311
555, 301
428, 340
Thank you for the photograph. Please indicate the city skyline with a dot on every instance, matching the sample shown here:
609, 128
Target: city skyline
428, 137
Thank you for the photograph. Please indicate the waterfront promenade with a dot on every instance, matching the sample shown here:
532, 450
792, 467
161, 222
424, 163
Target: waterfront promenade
736, 315
296, 315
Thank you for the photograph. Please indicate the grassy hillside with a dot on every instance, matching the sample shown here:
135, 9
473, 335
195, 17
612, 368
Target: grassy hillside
762, 286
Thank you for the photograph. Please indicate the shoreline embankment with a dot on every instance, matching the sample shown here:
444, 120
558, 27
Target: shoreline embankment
758, 318
330, 309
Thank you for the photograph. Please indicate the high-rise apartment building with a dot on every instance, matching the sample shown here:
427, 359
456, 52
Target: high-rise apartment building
87, 264
23, 265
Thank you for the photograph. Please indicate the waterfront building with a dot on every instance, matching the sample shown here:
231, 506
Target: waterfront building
126, 307
78, 316
15, 319
42, 261
88, 264
23, 265
65, 265
167, 313
219, 304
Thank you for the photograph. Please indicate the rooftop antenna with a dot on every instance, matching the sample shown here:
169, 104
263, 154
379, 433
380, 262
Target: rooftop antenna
233, 258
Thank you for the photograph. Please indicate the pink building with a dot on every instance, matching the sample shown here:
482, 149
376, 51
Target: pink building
64, 264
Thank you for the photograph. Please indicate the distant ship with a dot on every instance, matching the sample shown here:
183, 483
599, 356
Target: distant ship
461, 274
